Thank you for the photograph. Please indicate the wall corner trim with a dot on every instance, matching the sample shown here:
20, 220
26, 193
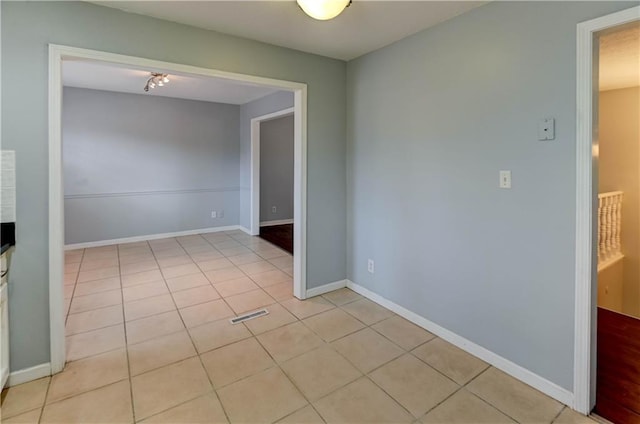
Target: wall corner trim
29, 374
244, 230
545, 386
326, 288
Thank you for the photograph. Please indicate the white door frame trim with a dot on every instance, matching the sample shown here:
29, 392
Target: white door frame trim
586, 155
57, 53
255, 166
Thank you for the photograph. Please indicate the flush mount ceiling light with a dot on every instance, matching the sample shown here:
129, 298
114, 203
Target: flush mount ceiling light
323, 9
156, 80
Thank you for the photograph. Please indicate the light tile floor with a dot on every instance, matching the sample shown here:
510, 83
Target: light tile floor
148, 340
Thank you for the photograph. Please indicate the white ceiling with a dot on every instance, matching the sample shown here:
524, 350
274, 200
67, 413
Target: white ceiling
112, 77
620, 59
364, 26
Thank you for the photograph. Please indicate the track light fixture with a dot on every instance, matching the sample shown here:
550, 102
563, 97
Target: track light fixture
156, 80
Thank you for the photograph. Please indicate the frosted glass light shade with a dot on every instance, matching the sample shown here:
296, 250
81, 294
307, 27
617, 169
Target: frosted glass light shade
323, 9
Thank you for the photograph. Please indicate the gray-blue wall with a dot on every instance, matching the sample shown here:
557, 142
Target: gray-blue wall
276, 169
28, 28
431, 121
138, 165
272, 103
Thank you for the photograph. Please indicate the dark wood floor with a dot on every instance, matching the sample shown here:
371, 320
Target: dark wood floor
618, 378
280, 235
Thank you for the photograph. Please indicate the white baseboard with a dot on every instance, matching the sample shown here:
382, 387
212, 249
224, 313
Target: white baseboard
276, 222
29, 374
545, 386
150, 237
326, 288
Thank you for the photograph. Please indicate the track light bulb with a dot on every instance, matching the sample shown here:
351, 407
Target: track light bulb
165, 79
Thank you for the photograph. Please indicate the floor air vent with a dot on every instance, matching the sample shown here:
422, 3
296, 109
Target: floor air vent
250, 315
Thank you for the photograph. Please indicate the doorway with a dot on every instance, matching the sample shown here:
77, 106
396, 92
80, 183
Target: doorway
598, 239
58, 54
272, 177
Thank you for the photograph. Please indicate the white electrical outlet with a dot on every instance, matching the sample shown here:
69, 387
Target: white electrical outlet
371, 266
273, 209
214, 214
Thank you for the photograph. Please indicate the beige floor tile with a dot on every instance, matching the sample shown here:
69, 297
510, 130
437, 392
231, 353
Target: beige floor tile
216, 334
231, 363
367, 311
98, 286
180, 270
70, 278
514, 398
333, 324
141, 278
282, 262
110, 404
94, 342
235, 286
306, 415
153, 326
269, 254
234, 251
68, 291
89, 374
269, 278
135, 258
167, 253
158, 390
160, 351
92, 320
402, 332
143, 291
205, 312
289, 341
465, 408
413, 384
150, 306
174, 261
224, 274
24, 397
342, 296
272, 397
245, 258
31, 417
88, 265
280, 291
367, 349
226, 243
91, 255
361, 402
203, 410
308, 307
187, 282
567, 416
206, 256
249, 301
319, 372
195, 296
95, 301
136, 267
453, 362
277, 317
98, 274
214, 264
257, 267
73, 256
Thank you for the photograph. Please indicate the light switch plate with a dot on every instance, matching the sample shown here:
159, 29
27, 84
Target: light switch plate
505, 179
